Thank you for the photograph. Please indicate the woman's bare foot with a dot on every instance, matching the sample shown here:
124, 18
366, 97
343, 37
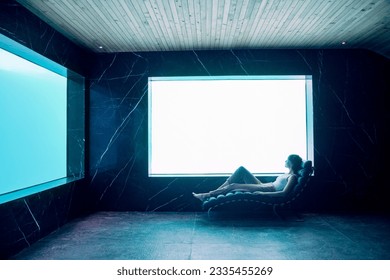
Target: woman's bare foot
200, 196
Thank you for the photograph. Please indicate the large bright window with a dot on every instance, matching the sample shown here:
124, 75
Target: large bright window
37, 143
33, 123
208, 126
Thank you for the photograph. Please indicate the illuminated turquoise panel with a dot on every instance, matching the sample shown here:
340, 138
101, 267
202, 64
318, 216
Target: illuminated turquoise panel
32, 122
42, 118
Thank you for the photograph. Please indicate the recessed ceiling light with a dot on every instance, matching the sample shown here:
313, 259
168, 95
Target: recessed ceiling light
100, 47
343, 42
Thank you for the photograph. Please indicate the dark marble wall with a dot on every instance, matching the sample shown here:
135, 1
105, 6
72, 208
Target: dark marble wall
351, 122
26, 220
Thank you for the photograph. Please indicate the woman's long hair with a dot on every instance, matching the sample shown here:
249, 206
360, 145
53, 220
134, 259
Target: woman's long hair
296, 162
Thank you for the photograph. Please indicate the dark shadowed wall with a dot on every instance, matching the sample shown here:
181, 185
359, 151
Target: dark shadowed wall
351, 125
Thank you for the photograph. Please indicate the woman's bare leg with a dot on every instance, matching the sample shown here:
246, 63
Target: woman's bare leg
241, 176
220, 190
267, 187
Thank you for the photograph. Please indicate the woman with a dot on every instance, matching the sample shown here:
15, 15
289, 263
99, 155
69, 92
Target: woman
243, 180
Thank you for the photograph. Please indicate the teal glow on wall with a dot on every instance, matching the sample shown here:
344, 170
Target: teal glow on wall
32, 123
36, 146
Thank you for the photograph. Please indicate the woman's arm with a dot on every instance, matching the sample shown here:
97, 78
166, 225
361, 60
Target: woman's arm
265, 187
291, 182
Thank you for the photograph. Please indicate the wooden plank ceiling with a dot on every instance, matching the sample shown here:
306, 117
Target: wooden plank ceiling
167, 25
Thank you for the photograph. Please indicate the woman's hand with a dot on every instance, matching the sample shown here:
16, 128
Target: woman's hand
233, 186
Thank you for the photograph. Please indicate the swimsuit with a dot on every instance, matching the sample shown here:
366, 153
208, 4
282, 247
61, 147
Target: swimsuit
281, 182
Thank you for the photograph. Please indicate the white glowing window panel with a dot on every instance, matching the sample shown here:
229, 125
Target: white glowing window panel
209, 126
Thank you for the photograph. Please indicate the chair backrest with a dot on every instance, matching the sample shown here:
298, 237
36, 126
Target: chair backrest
307, 168
304, 175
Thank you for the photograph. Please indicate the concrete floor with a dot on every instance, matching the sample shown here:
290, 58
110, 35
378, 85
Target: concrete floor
187, 236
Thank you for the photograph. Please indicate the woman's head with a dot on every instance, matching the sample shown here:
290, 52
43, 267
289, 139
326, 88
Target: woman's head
294, 162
